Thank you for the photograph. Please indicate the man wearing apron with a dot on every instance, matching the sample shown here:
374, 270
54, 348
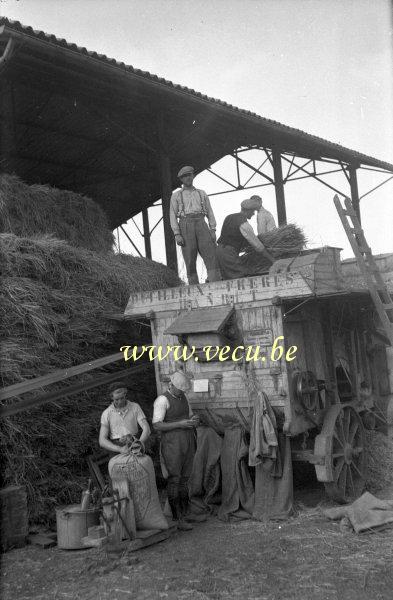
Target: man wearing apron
173, 417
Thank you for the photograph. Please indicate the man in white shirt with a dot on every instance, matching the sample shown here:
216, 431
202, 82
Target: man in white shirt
121, 420
188, 209
173, 417
265, 219
236, 234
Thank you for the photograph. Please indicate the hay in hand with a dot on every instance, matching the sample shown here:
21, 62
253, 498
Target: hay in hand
280, 242
29, 210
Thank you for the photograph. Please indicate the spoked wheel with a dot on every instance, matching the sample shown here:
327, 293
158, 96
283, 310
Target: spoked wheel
343, 443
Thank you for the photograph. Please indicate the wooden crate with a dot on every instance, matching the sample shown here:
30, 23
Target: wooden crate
14, 519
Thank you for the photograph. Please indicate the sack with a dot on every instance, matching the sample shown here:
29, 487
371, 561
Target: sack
133, 475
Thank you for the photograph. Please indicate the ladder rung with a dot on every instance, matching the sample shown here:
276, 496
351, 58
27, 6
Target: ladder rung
388, 306
350, 213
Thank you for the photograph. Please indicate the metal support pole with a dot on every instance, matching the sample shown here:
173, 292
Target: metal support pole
7, 130
166, 192
146, 232
279, 187
353, 181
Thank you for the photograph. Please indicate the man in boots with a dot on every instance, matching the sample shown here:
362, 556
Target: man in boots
189, 208
173, 417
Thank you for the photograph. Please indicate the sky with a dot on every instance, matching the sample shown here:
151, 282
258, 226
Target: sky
323, 66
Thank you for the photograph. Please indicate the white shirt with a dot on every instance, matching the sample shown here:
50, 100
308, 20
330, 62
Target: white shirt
161, 405
123, 421
265, 221
192, 205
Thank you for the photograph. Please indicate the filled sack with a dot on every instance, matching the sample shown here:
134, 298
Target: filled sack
133, 476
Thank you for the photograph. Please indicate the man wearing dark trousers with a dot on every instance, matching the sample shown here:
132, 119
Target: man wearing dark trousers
173, 417
236, 234
189, 209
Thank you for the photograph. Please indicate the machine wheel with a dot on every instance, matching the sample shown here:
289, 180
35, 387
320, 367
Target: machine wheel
343, 444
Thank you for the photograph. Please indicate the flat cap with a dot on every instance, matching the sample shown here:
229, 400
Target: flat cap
252, 203
180, 381
184, 171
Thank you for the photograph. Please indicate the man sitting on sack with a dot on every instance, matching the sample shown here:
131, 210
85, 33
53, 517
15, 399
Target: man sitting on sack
188, 209
236, 234
173, 418
120, 421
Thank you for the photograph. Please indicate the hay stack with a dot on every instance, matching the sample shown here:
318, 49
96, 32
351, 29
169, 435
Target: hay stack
40, 209
380, 461
55, 298
281, 242
54, 302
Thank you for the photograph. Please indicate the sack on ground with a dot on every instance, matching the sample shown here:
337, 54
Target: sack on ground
138, 472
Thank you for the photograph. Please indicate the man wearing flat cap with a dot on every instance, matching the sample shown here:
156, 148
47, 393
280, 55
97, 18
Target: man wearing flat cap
189, 208
173, 418
236, 234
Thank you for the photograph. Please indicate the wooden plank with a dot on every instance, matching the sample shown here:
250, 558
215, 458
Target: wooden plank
41, 540
60, 375
143, 542
17, 407
219, 293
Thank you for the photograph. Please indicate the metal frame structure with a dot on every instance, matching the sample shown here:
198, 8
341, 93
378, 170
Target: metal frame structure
81, 121
294, 171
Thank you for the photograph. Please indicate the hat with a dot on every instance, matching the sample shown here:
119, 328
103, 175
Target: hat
253, 203
184, 171
180, 381
117, 385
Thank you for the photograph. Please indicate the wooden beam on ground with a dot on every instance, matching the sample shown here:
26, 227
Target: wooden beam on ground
279, 187
30, 403
60, 375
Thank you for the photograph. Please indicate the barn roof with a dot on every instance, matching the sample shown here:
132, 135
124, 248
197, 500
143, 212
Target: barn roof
89, 123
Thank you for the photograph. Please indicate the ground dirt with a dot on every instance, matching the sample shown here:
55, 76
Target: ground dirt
303, 558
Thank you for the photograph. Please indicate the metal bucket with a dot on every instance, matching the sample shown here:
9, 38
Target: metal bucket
73, 524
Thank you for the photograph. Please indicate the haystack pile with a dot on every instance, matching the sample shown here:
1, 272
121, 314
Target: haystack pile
379, 461
55, 299
281, 242
30, 210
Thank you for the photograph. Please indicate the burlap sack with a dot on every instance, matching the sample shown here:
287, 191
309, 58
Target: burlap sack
133, 475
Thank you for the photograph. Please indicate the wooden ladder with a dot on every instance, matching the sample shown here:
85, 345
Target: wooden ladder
367, 265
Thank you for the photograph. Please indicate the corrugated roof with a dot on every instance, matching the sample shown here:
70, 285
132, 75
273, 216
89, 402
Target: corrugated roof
279, 127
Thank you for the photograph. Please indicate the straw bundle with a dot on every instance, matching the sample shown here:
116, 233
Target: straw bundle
54, 306
39, 209
380, 461
280, 242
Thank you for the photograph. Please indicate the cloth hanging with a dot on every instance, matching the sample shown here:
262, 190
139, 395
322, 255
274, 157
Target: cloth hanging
237, 487
204, 483
273, 492
263, 434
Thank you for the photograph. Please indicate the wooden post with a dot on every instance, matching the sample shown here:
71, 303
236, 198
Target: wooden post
279, 187
7, 130
166, 192
146, 232
353, 181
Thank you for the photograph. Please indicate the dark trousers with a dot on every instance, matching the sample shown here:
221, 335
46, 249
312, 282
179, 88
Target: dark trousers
197, 238
229, 261
178, 449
